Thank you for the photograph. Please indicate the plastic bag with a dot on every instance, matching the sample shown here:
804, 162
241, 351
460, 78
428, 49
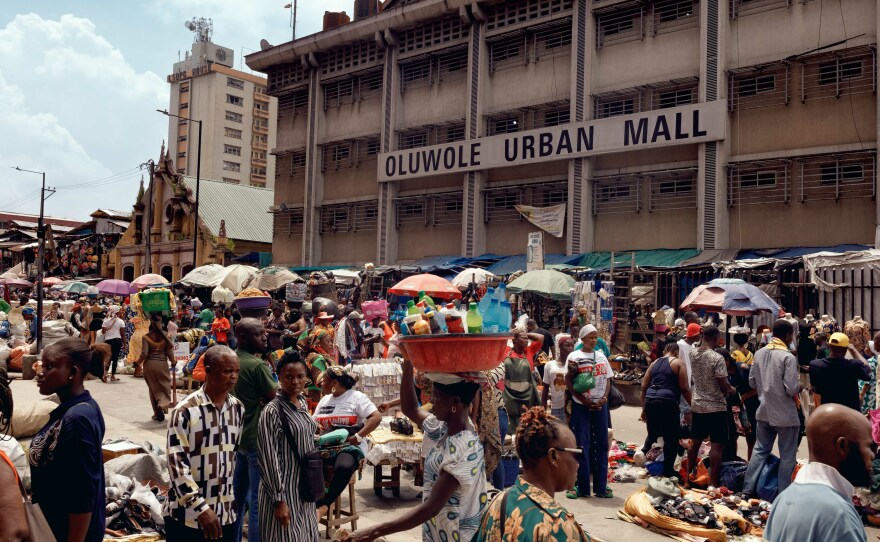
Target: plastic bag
768, 479
584, 382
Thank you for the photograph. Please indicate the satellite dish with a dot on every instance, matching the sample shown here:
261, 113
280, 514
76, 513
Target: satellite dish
189, 25
265, 45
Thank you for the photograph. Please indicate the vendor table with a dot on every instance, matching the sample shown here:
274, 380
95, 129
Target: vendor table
394, 450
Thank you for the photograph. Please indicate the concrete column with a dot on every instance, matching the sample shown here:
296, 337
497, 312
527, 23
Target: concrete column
175, 266
579, 221
386, 234
876, 199
712, 213
314, 178
137, 265
473, 227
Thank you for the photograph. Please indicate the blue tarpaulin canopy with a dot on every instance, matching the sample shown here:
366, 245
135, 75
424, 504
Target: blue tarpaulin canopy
795, 252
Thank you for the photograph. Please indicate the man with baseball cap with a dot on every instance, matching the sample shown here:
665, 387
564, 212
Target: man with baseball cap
835, 378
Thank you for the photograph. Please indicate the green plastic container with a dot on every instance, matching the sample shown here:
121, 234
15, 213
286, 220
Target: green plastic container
156, 302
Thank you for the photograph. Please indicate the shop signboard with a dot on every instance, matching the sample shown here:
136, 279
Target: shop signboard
535, 251
181, 352
684, 125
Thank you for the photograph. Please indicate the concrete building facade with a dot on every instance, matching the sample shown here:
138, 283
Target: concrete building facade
705, 124
238, 118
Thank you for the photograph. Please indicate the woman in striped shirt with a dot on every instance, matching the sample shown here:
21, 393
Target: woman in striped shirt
284, 516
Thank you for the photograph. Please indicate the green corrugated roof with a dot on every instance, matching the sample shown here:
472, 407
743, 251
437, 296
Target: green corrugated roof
644, 258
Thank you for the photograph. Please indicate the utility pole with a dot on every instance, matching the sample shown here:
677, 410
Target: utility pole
292, 7
41, 254
148, 217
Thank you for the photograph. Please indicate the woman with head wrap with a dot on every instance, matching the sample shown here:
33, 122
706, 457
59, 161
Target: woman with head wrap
318, 347
588, 381
454, 496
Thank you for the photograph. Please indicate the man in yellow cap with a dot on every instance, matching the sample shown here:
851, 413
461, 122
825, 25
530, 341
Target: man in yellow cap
836, 378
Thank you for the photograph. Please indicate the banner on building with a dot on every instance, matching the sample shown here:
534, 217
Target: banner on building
683, 125
535, 251
550, 219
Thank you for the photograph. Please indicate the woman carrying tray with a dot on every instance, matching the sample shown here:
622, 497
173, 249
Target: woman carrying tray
454, 494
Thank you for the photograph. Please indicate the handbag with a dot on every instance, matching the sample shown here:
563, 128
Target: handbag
311, 466
615, 397
37, 524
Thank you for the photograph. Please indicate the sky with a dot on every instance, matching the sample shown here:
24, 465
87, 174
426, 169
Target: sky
80, 82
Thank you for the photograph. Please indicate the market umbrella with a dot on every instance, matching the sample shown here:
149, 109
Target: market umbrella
202, 276
16, 283
51, 281
150, 279
545, 282
730, 296
432, 285
272, 278
233, 277
476, 275
75, 287
114, 287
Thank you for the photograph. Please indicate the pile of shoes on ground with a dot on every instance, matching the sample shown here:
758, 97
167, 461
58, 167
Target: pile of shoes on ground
698, 509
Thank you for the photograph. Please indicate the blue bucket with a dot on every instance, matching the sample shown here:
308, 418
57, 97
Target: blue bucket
511, 470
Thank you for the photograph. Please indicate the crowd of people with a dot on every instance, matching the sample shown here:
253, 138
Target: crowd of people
242, 449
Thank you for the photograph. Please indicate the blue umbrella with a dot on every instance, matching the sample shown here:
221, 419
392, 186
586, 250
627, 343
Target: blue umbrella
731, 296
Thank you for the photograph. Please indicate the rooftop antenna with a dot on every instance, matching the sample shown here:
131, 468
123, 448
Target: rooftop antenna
292, 6
201, 27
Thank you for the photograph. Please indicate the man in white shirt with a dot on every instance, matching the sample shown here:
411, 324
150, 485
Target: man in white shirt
113, 329
842, 453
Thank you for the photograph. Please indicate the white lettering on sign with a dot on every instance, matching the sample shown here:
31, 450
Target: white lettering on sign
685, 125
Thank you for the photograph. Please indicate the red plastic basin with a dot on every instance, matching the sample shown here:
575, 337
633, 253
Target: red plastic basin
456, 352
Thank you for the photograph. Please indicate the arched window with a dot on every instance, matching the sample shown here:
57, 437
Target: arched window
185, 269
166, 272
128, 273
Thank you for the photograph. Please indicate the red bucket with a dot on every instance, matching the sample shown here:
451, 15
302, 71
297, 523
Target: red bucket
457, 352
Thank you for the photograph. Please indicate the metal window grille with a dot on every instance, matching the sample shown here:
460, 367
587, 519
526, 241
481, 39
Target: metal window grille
620, 25
369, 85
840, 73
505, 14
499, 202
366, 150
411, 139
338, 92
673, 97
352, 56
503, 124
452, 65
766, 85
612, 195
281, 76
614, 104
416, 72
740, 8
336, 155
291, 104
508, 51
555, 117
366, 216
759, 182
335, 218
837, 176
451, 133
429, 210
437, 32
235, 83
349, 217
232, 149
552, 40
672, 190
675, 15
288, 222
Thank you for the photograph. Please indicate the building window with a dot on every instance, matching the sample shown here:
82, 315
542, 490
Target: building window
506, 52
612, 195
234, 117
554, 197
609, 193
675, 98
832, 73
235, 83
415, 71
509, 13
233, 133
336, 156
756, 85
231, 166
232, 149
453, 134
184, 87
412, 139
672, 190
506, 125
184, 106
258, 155
372, 147
503, 201
258, 170
181, 154
454, 207
260, 139
834, 173
617, 107
619, 25
230, 180
757, 179
337, 93
234, 100
556, 118
673, 15
181, 138
436, 32
844, 72
411, 209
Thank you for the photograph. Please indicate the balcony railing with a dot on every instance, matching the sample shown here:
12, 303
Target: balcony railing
261, 113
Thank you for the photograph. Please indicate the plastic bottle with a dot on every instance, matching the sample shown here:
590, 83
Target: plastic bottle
474, 319
501, 292
483, 305
422, 307
440, 316
506, 317
491, 320
421, 327
453, 320
410, 321
427, 299
411, 307
433, 321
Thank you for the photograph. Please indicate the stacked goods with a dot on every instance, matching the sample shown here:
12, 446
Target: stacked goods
252, 302
153, 300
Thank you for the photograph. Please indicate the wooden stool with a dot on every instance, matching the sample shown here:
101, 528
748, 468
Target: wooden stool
337, 515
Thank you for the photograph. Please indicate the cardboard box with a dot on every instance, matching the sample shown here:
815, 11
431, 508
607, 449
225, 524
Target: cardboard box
116, 449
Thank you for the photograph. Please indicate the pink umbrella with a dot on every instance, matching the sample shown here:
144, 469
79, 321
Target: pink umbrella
150, 279
16, 283
114, 287
432, 285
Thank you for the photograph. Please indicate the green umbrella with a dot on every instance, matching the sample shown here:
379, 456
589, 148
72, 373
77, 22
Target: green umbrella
545, 282
75, 287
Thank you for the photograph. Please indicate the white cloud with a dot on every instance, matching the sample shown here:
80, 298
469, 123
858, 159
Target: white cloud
77, 110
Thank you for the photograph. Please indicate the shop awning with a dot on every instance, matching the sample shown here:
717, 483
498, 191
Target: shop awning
512, 264
796, 252
643, 258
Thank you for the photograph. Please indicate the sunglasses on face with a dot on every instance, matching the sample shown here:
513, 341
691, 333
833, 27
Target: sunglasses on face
576, 452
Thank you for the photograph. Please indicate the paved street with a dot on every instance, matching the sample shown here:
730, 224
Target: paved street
127, 414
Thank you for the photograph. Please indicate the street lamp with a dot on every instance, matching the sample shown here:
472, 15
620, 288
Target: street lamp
41, 242
292, 7
198, 180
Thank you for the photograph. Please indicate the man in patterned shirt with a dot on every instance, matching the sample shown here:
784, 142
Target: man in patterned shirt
203, 433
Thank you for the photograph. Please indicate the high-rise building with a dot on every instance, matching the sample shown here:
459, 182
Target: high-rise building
238, 116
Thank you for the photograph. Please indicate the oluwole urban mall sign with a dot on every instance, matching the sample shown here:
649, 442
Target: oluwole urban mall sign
695, 123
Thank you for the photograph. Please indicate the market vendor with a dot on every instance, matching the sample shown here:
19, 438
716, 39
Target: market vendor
344, 406
520, 389
317, 352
